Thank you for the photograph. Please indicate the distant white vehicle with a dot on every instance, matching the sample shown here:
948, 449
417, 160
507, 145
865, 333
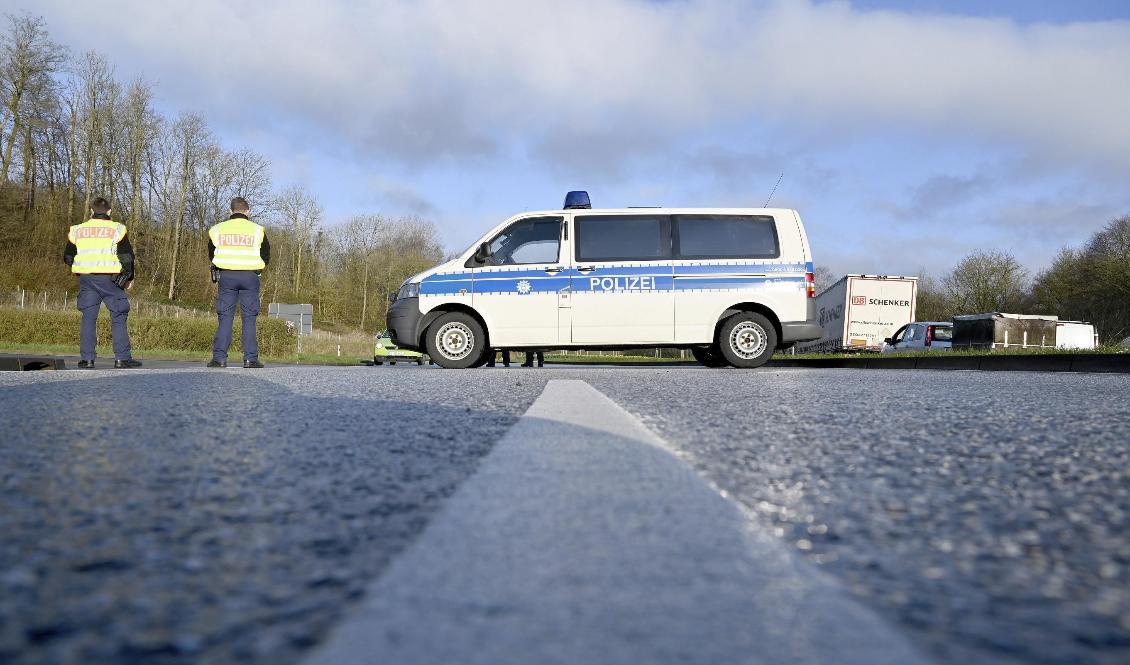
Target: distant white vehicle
1075, 335
921, 336
858, 312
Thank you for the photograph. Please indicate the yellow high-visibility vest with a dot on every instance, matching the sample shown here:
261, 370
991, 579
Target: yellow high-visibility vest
237, 244
97, 242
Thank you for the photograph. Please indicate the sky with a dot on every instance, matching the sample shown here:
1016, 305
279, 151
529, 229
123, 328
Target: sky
907, 134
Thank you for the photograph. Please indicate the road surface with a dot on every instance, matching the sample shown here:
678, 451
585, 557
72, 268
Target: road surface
188, 515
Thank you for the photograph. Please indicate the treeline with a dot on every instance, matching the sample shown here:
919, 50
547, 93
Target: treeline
1090, 283
71, 131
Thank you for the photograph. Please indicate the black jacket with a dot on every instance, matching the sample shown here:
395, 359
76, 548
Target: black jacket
125, 254
264, 249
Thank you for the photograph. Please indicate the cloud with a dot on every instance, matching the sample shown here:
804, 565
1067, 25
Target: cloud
425, 81
403, 197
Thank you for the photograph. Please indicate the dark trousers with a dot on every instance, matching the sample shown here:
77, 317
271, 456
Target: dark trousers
530, 358
505, 358
93, 291
236, 287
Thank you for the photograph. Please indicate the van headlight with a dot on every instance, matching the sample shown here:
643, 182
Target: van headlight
408, 291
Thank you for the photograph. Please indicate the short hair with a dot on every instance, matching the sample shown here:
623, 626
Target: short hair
239, 204
100, 206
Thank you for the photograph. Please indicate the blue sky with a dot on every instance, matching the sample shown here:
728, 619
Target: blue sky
909, 133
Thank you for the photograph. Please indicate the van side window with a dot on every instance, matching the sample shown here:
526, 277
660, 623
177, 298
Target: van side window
623, 237
726, 237
532, 240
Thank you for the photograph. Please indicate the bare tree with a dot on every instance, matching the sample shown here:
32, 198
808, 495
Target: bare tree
28, 61
299, 212
190, 136
986, 281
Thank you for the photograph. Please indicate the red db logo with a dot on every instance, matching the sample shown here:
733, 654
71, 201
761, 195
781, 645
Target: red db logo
859, 300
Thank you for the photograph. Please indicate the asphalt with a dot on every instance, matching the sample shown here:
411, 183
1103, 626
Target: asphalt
224, 516
582, 539
157, 516
985, 514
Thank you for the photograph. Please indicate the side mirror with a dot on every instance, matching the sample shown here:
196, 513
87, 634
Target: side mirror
482, 254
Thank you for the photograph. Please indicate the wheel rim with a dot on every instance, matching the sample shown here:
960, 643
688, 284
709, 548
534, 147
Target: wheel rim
748, 340
455, 340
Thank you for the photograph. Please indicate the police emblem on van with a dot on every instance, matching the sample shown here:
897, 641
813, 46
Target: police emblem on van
524, 287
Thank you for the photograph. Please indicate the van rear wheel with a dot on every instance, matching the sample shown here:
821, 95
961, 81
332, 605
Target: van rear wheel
455, 340
747, 340
709, 356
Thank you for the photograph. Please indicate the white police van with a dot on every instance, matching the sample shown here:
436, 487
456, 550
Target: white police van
730, 284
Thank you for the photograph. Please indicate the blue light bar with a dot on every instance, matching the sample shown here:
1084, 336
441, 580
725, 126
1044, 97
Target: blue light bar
577, 199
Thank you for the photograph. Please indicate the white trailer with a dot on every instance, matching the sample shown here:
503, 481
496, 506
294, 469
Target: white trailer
858, 312
1075, 335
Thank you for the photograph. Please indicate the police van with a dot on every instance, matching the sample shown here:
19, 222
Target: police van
730, 284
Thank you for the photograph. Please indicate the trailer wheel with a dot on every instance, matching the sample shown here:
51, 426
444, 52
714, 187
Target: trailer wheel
747, 340
420, 361
377, 361
709, 356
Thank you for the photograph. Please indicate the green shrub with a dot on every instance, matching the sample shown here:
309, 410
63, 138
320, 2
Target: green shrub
22, 326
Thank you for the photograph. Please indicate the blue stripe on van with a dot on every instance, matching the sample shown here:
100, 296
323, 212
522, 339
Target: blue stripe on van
430, 287
735, 283
712, 269
694, 277
512, 286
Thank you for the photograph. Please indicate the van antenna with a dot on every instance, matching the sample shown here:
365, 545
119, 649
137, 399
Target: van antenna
779, 178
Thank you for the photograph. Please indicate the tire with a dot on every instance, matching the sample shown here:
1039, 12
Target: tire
419, 361
377, 362
456, 341
392, 362
483, 359
709, 356
747, 340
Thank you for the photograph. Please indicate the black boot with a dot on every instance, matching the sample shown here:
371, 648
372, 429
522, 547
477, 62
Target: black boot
128, 363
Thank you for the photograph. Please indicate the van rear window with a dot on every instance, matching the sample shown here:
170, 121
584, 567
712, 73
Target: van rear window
943, 333
622, 237
726, 237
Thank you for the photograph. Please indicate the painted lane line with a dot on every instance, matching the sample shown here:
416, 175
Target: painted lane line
581, 539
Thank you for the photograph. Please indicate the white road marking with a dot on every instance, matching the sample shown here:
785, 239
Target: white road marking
582, 540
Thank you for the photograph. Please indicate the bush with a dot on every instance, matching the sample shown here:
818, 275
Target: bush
22, 326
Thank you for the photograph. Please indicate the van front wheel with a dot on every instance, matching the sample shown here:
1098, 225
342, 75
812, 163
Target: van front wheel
747, 340
455, 340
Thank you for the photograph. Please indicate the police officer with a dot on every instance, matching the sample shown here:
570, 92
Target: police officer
100, 254
530, 358
239, 251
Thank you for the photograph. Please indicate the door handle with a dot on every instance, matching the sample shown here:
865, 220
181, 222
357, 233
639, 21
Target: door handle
552, 271
586, 268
